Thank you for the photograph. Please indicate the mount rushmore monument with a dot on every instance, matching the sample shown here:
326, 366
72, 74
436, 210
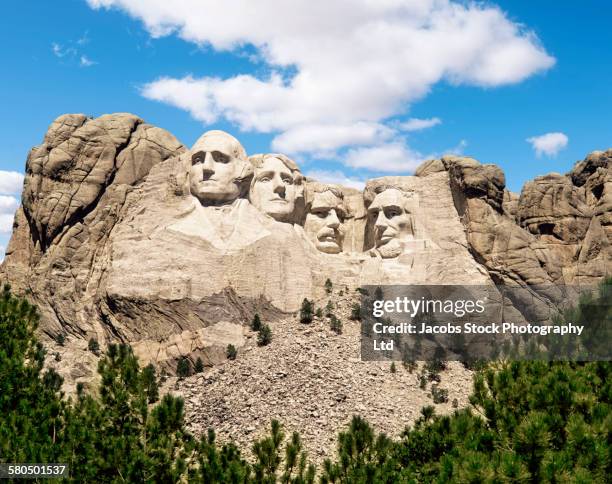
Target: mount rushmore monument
124, 234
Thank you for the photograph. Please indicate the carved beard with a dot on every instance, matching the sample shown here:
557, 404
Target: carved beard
391, 249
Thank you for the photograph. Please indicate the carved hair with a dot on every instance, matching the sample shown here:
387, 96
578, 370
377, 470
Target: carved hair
258, 160
237, 149
313, 189
371, 191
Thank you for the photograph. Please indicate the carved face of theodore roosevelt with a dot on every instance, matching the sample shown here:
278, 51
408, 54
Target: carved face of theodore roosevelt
219, 168
324, 221
393, 221
276, 185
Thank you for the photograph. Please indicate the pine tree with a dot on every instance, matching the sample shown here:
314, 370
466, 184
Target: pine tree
231, 352
329, 309
199, 365
264, 336
306, 311
335, 324
149, 380
256, 322
183, 368
328, 286
355, 312
94, 346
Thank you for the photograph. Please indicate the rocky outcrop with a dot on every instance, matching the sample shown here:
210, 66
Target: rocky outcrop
125, 235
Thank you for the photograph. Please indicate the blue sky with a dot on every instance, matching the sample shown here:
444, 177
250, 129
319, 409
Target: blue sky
524, 69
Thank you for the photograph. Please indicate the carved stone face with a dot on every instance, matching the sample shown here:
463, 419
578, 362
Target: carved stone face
214, 169
274, 189
324, 222
393, 222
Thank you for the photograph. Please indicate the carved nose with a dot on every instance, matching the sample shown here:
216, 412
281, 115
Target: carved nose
381, 220
208, 167
278, 186
332, 220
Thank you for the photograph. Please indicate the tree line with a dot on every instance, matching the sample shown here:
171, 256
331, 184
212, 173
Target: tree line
529, 421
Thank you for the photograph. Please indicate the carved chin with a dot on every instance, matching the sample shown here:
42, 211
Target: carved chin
278, 211
214, 192
329, 246
391, 249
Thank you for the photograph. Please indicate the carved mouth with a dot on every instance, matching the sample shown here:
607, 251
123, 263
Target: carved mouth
329, 238
385, 238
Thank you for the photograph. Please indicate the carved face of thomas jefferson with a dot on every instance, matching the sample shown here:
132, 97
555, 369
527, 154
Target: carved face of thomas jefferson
393, 221
277, 184
218, 168
324, 220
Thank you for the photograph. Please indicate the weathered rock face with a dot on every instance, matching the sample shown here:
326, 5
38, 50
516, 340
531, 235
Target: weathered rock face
125, 235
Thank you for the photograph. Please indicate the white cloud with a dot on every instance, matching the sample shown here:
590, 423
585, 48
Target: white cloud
84, 39
6, 223
60, 52
329, 138
416, 124
336, 177
548, 144
10, 182
357, 64
389, 157
8, 204
2, 251
86, 61
458, 149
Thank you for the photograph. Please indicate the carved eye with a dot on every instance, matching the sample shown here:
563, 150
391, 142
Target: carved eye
321, 213
287, 180
220, 157
392, 212
264, 179
195, 160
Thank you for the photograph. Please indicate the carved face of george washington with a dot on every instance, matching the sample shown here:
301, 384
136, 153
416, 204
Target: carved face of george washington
219, 168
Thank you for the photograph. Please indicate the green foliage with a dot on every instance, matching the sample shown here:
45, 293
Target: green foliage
94, 346
149, 380
329, 309
362, 456
319, 313
355, 312
31, 407
264, 336
335, 324
439, 395
306, 311
199, 364
393, 369
530, 421
328, 286
60, 339
183, 368
231, 353
256, 322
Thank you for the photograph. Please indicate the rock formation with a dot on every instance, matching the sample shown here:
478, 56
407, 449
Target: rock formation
125, 235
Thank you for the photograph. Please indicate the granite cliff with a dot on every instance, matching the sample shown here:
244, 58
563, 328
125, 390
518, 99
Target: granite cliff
124, 234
